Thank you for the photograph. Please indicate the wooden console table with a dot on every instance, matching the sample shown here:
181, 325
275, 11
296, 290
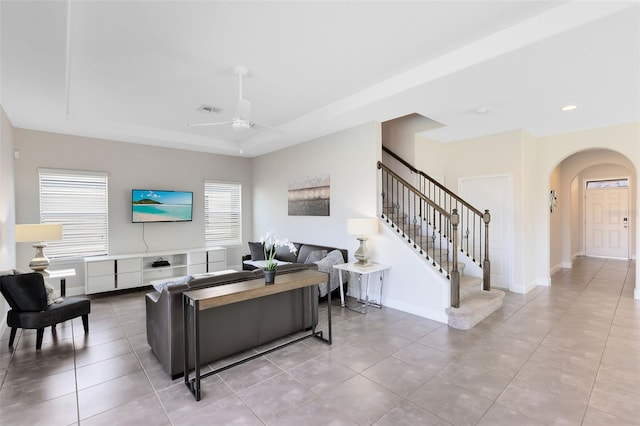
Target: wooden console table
195, 301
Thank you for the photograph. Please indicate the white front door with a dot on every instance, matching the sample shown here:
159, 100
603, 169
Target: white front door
607, 222
494, 193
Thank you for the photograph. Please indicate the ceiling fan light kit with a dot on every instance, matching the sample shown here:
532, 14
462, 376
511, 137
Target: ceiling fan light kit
241, 120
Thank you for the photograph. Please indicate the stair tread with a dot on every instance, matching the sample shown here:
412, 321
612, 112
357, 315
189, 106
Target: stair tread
469, 285
475, 308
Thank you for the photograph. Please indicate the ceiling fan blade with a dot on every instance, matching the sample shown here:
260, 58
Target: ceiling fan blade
266, 126
244, 109
208, 124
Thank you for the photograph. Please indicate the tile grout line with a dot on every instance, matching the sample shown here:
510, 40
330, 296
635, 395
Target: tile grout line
595, 378
144, 370
539, 345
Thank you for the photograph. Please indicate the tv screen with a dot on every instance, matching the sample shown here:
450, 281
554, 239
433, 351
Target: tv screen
149, 205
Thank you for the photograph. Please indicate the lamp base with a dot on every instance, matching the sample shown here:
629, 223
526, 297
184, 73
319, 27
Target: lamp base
39, 262
361, 254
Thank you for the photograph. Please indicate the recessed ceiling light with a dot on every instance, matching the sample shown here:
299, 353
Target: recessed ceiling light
569, 107
482, 111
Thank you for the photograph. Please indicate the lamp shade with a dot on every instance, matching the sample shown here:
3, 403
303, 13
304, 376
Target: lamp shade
35, 232
362, 226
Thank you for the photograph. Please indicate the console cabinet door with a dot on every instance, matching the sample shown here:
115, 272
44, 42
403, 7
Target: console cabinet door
101, 283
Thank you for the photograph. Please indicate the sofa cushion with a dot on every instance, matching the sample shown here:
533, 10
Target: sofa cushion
283, 253
305, 249
257, 250
315, 256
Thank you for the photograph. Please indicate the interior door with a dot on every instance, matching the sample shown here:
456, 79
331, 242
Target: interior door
607, 222
493, 193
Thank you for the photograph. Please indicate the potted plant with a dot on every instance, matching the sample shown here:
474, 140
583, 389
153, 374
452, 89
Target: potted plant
270, 245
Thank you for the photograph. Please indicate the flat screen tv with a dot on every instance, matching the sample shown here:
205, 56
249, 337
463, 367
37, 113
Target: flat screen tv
149, 205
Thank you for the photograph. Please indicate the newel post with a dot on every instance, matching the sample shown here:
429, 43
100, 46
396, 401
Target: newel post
486, 264
455, 275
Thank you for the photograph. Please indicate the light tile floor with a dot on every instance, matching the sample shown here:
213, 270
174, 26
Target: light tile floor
565, 354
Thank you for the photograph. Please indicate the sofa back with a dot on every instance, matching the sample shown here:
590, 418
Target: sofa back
304, 250
215, 280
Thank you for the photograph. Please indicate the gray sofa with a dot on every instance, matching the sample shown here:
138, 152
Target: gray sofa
303, 250
229, 329
324, 257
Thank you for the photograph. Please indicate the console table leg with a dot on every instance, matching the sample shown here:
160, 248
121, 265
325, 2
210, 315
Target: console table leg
185, 333
196, 326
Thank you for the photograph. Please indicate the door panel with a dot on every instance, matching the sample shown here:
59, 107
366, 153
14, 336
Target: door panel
493, 193
606, 231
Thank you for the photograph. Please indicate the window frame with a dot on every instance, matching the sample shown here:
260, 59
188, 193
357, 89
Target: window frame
228, 235
80, 201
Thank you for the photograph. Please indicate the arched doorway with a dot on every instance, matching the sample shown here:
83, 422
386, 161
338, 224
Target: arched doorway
570, 233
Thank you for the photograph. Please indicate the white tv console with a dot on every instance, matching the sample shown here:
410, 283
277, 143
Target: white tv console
109, 273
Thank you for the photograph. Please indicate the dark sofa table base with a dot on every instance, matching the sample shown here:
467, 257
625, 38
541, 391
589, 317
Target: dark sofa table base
195, 301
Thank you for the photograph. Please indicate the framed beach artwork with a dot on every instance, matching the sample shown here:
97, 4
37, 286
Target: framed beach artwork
309, 196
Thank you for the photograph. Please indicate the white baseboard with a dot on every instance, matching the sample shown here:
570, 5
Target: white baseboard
75, 291
545, 282
420, 311
555, 269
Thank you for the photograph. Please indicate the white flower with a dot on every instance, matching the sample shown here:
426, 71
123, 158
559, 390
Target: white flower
271, 243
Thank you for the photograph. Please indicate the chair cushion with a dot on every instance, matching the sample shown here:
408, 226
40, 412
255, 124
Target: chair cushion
24, 292
71, 307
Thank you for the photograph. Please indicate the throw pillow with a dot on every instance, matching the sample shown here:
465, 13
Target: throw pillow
52, 296
257, 251
315, 256
284, 253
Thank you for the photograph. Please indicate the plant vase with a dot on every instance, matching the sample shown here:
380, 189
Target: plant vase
269, 276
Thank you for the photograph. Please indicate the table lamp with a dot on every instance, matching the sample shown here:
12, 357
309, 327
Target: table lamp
362, 227
38, 233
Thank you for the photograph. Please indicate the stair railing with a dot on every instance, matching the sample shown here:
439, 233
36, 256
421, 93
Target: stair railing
473, 225
431, 230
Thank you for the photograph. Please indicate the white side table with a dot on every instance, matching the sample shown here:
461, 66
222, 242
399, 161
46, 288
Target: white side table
360, 270
63, 274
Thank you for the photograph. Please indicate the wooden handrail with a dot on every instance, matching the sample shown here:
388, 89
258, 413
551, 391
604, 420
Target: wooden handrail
472, 223
415, 190
433, 181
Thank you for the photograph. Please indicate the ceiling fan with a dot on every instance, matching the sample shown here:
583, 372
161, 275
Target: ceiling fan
241, 120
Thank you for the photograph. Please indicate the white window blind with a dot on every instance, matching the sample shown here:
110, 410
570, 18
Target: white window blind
79, 201
223, 213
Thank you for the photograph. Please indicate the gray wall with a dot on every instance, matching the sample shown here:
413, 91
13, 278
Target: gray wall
7, 212
129, 166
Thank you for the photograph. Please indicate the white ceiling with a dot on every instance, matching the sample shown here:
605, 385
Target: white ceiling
137, 71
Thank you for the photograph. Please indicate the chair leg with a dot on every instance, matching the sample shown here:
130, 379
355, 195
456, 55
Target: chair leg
12, 337
85, 323
39, 335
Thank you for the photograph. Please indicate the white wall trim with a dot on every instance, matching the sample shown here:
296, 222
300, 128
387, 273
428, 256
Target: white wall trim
556, 268
416, 310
